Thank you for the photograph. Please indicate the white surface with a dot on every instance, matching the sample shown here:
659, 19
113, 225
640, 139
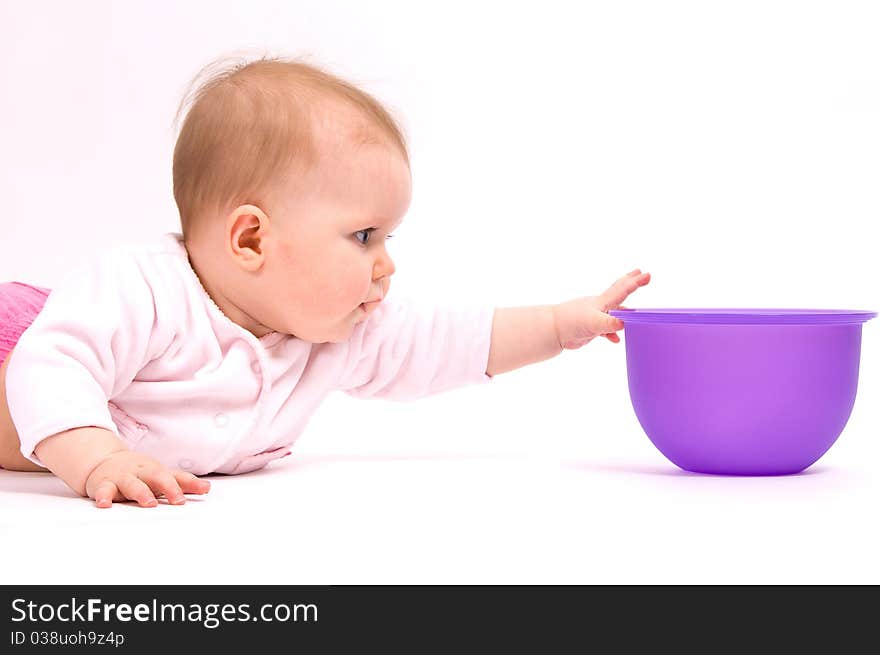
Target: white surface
727, 148
539, 477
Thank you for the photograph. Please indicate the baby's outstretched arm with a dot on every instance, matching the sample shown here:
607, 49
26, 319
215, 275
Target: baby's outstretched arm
95, 463
526, 335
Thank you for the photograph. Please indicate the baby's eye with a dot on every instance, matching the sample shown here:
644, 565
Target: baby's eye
366, 234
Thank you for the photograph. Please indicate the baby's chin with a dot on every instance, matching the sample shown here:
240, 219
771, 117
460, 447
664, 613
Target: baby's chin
335, 333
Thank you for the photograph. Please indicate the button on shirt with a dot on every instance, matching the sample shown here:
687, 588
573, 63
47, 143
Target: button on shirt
133, 343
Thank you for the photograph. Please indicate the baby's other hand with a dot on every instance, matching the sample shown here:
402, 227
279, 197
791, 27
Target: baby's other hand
127, 475
578, 321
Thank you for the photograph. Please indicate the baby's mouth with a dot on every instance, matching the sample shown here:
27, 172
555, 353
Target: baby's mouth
368, 306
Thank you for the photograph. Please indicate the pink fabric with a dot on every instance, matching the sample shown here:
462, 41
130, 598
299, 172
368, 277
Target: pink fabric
19, 304
131, 342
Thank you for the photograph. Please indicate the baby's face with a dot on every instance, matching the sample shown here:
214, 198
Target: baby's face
328, 256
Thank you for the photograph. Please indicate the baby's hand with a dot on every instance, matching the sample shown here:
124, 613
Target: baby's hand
579, 321
127, 475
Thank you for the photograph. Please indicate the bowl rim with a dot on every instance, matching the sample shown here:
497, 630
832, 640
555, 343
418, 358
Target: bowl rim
744, 316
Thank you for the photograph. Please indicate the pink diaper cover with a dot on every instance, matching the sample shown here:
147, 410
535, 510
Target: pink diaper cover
19, 305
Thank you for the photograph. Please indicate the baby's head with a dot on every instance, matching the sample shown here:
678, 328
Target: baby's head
288, 180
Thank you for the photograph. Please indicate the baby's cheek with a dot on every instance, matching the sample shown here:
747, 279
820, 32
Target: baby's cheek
353, 291
331, 296
352, 284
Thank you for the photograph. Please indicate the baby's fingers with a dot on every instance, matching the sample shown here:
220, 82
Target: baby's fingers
620, 290
105, 494
191, 484
163, 483
137, 490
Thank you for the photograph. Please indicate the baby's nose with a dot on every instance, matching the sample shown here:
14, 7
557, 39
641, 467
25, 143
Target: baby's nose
384, 267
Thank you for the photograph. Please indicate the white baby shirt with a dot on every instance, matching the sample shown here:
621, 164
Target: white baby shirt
133, 343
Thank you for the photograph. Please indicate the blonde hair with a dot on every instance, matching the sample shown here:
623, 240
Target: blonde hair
251, 123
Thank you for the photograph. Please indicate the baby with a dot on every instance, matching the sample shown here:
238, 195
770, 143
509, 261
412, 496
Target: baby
208, 350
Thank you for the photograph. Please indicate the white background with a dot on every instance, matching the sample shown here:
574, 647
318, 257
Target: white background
729, 148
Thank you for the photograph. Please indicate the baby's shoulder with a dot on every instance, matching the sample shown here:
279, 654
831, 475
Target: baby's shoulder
170, 243
156, 259
143, 272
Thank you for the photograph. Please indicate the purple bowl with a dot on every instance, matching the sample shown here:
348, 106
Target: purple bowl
743, 391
